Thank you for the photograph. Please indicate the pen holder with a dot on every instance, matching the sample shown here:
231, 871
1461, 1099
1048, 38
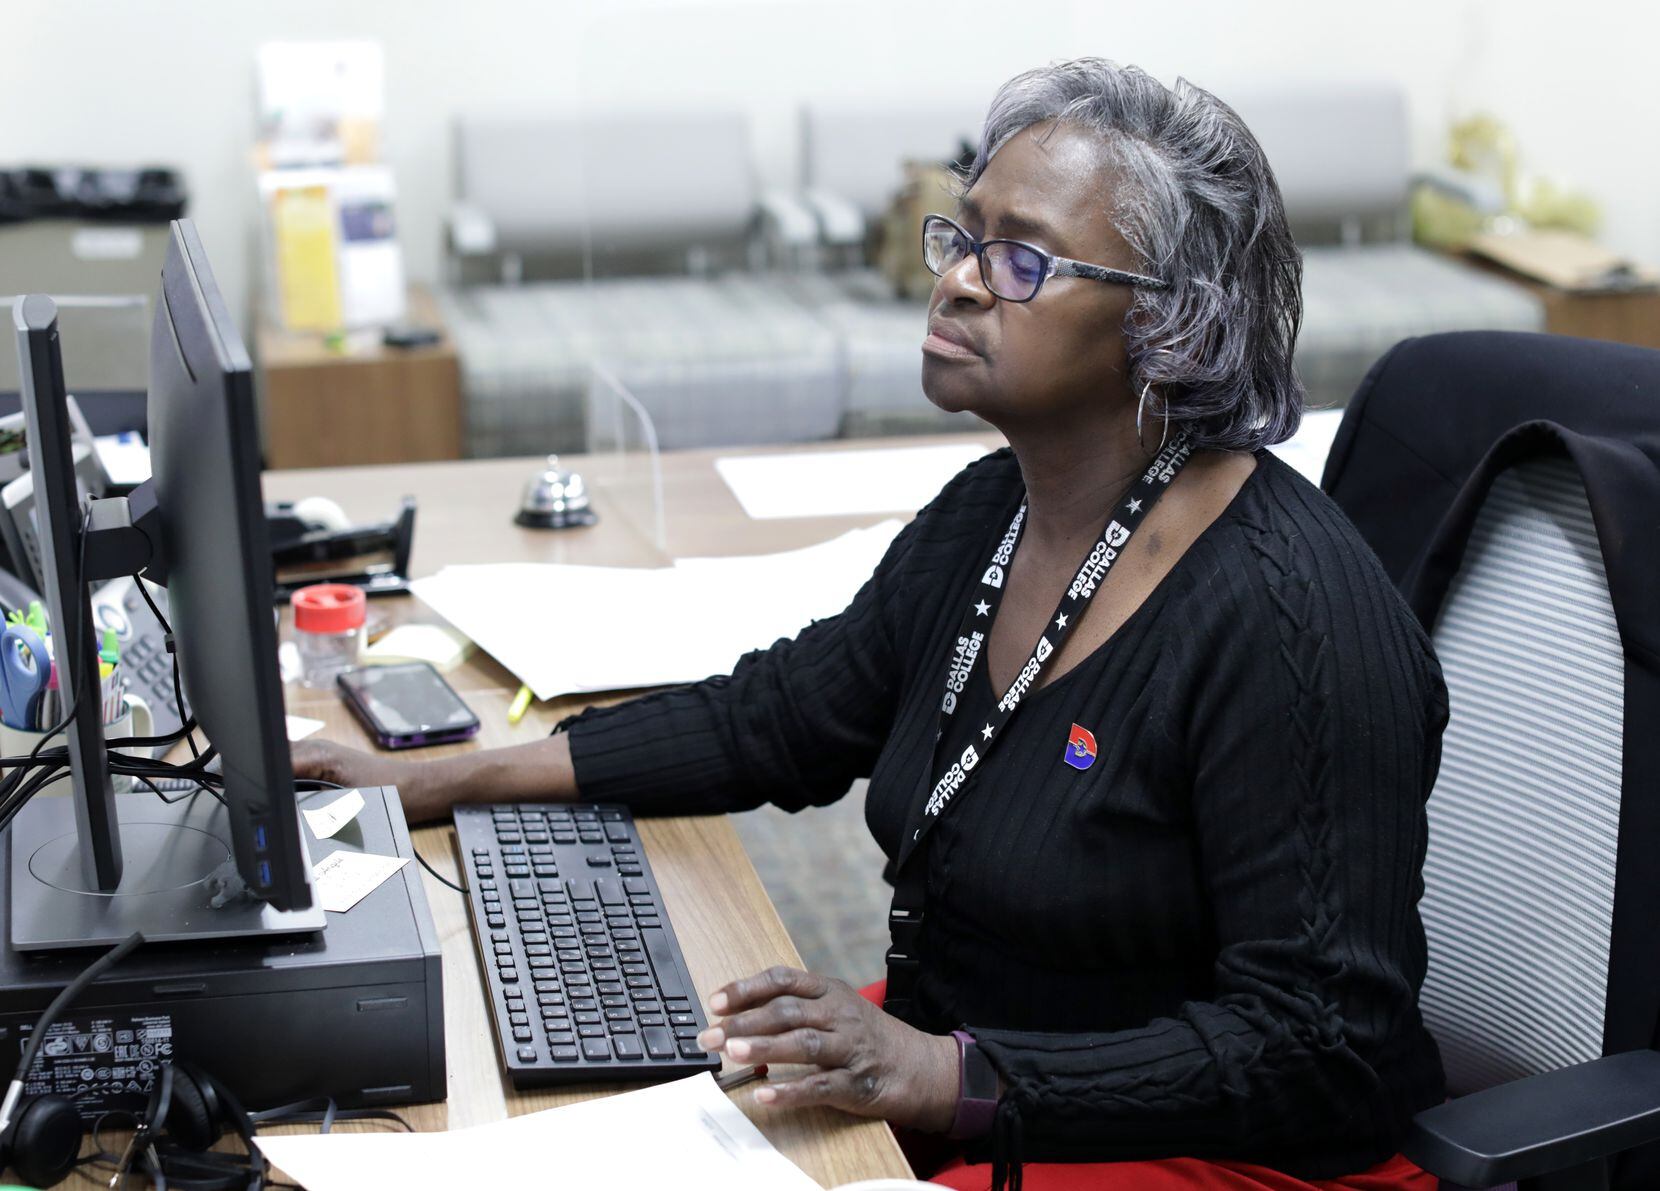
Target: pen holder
135, 720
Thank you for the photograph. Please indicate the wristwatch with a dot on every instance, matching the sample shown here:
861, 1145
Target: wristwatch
976, 1090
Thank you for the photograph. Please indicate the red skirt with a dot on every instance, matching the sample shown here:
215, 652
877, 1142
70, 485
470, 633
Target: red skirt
1182, 1174
1158, 1174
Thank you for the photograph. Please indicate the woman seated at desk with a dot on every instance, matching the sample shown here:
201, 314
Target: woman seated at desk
1156, 907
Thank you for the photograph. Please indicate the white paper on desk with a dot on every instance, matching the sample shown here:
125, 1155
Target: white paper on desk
125, 457
843, 483
696, 1140
288, 660
326, 820
299, 727
343, 878
1307, 449
565, 629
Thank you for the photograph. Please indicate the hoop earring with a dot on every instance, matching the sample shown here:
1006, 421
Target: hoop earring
1140, 408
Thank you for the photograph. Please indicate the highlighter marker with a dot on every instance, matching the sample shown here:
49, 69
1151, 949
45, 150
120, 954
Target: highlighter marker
110, 650
521, 703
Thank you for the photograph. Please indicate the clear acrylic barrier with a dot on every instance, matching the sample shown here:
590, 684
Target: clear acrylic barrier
622, 444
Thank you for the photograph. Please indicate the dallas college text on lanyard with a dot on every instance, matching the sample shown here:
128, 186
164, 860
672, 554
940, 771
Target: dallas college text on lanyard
950, 775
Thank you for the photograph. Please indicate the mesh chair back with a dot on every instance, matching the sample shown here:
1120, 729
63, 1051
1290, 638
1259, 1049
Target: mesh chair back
1524, 820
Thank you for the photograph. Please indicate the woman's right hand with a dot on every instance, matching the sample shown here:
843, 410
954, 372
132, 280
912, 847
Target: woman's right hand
539, 771
326, 761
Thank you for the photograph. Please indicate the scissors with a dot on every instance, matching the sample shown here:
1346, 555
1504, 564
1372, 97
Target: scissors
25, 671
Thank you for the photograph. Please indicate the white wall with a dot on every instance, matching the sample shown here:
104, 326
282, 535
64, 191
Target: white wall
171, 81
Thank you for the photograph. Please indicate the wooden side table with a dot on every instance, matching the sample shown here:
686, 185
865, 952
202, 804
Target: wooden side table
329, 408
1632, 317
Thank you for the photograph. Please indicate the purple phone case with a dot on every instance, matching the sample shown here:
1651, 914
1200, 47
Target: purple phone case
407, 740
416, 739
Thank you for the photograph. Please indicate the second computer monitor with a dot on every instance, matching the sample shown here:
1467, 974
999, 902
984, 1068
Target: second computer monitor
204, 451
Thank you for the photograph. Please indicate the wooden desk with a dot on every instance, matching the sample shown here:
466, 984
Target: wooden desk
725, 923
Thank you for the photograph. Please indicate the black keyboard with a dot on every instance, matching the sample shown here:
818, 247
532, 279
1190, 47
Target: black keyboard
584, 976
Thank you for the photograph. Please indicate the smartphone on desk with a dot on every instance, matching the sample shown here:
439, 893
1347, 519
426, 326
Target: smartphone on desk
407, 705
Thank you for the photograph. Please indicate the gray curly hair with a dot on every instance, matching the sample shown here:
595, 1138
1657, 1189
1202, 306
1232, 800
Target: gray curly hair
1195, 197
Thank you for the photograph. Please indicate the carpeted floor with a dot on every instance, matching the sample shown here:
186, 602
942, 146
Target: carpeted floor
824, 873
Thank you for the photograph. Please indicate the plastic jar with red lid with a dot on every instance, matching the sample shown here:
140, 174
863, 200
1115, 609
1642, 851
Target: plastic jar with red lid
328, 631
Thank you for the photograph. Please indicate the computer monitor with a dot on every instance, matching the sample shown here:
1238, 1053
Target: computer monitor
58, 528
200, 867
204, 460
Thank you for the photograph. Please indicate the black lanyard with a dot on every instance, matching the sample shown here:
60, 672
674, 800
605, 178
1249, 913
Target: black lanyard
983, 722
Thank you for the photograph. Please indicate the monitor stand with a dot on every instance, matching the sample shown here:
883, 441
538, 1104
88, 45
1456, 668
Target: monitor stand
172, 853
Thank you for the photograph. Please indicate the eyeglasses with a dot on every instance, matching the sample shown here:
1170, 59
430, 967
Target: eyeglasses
1013, 270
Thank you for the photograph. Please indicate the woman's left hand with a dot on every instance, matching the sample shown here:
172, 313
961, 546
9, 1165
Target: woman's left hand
870, 1064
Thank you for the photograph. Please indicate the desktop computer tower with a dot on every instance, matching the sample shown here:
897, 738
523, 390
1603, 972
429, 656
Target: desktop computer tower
355, 1012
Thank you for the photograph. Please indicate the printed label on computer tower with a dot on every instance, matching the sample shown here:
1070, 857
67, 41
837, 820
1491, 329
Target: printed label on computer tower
101, 1063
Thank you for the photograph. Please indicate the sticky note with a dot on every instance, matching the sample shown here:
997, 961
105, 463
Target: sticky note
342, 879
299, 727
326, 820
443, 647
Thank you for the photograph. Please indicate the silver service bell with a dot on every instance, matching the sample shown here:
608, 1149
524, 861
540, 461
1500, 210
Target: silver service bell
555, 499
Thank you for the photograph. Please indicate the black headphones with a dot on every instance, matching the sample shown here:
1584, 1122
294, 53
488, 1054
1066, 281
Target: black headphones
42, 1140
43, 1143
188, 1112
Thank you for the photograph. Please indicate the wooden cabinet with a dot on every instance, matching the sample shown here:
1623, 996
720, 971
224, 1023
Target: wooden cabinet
1621, 318
1632, 317
324, 406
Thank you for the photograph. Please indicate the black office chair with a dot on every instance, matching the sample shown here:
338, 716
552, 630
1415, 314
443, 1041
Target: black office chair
1511, 485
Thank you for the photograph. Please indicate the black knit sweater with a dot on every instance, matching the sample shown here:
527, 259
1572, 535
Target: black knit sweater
1208, 942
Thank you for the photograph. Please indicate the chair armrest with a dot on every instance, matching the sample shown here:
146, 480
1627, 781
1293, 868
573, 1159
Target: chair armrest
471, 231
1543, 1123
787, 220
1480, 194
840, 222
